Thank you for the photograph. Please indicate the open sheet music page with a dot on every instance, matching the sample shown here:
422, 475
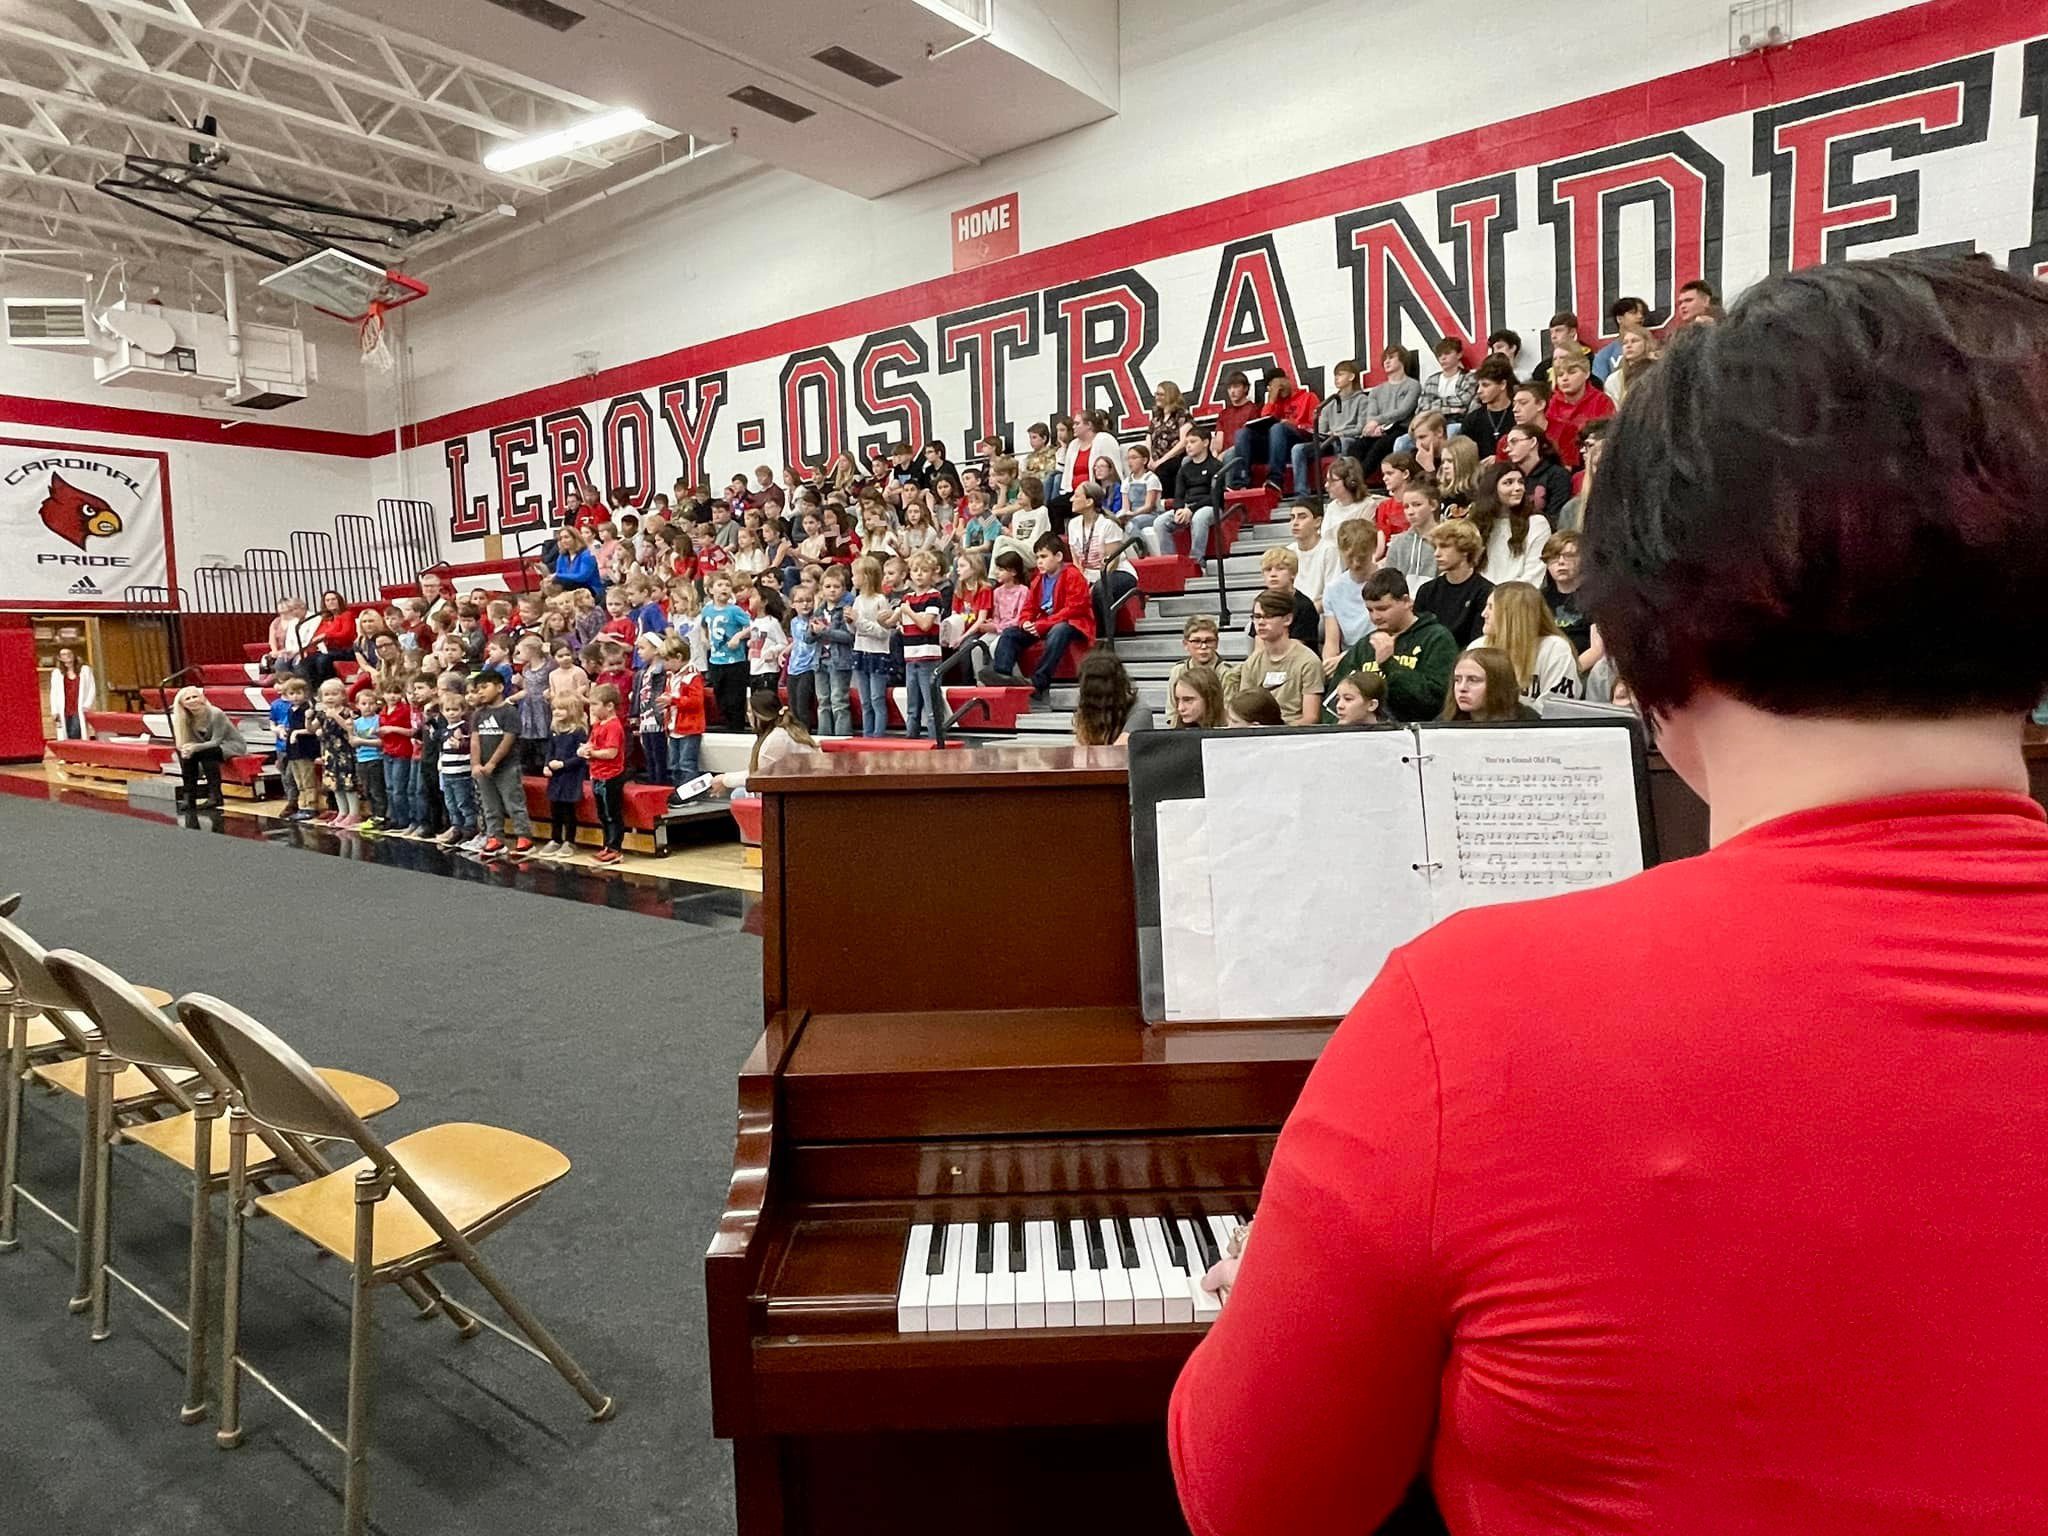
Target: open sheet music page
1516, 814
1314, 843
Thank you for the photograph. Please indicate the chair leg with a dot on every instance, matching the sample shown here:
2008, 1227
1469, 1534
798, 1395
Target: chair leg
10, 1130
81, 1291
601, 1407
229, 1435
371, 1188
104, 1067
438, 1300
206, 1111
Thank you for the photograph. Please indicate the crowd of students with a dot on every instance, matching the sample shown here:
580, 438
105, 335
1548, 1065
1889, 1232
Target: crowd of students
1431, 573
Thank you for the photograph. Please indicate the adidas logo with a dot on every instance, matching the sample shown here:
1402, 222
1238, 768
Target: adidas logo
83, 587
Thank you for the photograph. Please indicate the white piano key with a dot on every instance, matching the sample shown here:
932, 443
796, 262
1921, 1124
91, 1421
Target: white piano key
970, 1311
1175, 1295
1002, 1283
1088, 1298
940, 1300
911, 1289
1206, 1304
1148, 1295
1224, 1226
1059, 1283
1031, 1284
1116, 1280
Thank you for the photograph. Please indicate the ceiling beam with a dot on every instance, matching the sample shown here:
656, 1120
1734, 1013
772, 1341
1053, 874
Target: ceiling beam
125, 62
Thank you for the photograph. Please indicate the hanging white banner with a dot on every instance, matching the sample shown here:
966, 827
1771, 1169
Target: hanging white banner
82, 527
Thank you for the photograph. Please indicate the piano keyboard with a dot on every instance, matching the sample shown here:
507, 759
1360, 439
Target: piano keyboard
1084, 1272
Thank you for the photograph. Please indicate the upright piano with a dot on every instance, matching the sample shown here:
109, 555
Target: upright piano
952, 1285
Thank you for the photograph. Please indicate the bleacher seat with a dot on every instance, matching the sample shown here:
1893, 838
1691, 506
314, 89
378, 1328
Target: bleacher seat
1164, 575
1256, 502
649, 815
118, 761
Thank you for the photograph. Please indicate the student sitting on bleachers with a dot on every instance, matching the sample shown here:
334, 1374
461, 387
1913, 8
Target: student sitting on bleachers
1410, 648
1058, 610
1279, 663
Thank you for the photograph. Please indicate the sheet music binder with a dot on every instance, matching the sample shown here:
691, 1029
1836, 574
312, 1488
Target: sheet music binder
1316, 851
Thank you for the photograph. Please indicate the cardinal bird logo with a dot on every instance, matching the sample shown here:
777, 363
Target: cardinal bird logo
75, 516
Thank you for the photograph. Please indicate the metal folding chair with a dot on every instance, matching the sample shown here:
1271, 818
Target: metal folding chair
135, 1034
112, 1094
456, 1183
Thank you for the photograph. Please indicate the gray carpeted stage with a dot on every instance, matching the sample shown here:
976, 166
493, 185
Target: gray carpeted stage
614, 1036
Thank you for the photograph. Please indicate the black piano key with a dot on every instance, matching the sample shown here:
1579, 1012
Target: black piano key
1205, 1241
1127, 1242
1098, 1256
984, 1248
1175, 1248
1063, 1243
936, 1264
1017, 1247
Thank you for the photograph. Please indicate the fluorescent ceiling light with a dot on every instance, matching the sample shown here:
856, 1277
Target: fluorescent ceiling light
546, 146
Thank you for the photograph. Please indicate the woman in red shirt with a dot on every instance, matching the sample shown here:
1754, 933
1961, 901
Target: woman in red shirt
333, 640
1740, 1222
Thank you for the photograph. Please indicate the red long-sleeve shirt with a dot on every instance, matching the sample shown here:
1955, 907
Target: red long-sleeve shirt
1073, 601
1736, 1220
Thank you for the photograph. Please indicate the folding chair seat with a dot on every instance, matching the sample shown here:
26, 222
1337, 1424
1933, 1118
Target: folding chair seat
456, 1184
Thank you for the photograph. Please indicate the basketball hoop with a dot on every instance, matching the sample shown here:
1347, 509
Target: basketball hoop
349, 288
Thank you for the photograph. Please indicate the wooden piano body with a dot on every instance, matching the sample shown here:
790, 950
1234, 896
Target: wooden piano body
953, 1032
950, 982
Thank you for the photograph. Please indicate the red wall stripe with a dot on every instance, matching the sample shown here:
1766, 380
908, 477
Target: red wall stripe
1899, 40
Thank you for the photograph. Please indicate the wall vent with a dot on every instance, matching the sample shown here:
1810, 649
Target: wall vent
558, 17
774, 105
847, 62
48, 323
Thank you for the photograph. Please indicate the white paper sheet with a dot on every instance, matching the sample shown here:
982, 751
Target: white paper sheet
1514, 815
1313, 843
1187, 924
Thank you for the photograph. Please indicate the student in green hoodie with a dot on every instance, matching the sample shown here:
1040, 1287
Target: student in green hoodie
1413, 651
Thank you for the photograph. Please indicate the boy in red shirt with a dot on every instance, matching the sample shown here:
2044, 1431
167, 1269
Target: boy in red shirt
1574, 401
606, 752
398, 732
1058, 610
684, 697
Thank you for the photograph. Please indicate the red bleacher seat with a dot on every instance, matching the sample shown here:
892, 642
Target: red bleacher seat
999, 711
226, 674
1256, 502
134, 756
1129, 611
112, 722
256, 650
249, 700
882, 744
644, 805
511, 574
1164, 575
746, 811
1068, 669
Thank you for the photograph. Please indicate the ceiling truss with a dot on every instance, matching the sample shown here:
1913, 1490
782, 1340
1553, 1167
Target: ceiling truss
308, 102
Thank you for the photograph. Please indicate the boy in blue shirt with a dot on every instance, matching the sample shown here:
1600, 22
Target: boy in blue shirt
725, 630
806, 642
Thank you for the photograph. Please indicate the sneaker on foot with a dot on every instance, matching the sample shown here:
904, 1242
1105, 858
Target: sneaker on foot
523, 846
607, 856
449, 838
475, 844
493, 845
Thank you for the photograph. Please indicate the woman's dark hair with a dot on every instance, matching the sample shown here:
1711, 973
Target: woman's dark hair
1105, 697
1486, 509
1854, 442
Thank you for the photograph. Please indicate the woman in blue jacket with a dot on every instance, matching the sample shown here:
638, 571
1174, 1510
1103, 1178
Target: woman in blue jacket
574, 565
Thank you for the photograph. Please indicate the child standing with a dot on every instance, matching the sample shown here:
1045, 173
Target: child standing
650, 707
684, 698
530, 693
725, 630
835, 658
805, 635
299, 744
281, 737
606, 753
370, 759
873, 627
566, 771
501, 795
338, 753
432, 728
919, 616
767, 641
398, 734
458, 773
